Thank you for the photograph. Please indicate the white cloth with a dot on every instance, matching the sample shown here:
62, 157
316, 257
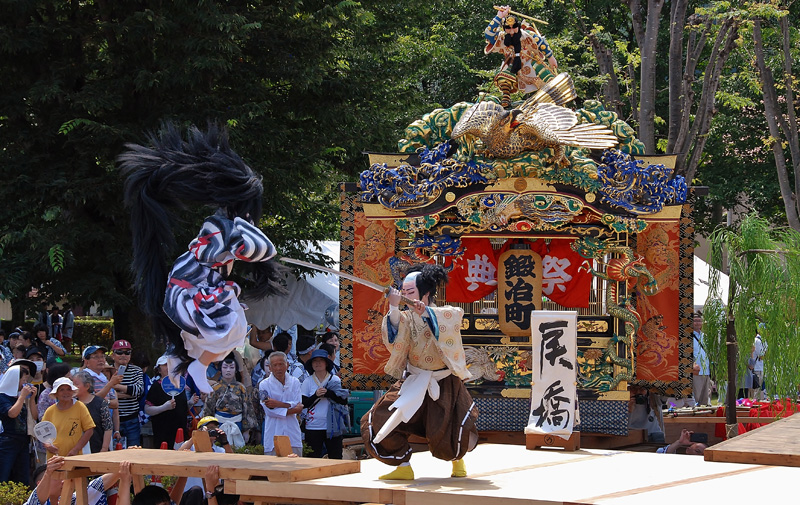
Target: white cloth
231, 429
9, 384
410, 397
758, 354
276, 422
700, 356
215, 342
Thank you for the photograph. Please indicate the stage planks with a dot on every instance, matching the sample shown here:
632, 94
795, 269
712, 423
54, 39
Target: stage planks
194, 464
775, 444
512, 475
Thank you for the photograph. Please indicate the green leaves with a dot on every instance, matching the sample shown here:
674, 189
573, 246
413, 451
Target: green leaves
764, 269
56, 256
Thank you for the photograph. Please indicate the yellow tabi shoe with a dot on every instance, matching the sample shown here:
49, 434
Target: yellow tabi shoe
399, 473
459, 468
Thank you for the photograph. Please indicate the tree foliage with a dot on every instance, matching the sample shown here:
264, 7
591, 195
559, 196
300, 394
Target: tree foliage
764, 272
304, 88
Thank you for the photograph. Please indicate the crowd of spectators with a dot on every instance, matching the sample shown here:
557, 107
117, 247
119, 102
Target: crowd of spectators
104, 403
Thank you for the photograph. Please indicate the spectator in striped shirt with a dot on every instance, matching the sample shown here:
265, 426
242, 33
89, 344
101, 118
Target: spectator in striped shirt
129, 392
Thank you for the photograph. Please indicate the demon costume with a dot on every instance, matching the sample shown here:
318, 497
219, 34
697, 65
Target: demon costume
193, 307
431, 401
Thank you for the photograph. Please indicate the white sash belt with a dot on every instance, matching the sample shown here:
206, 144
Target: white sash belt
410, 397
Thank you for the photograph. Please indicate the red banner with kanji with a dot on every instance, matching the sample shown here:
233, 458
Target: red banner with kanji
475, 273
562, 279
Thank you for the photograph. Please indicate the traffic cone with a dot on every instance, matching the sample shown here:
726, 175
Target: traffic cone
179, 439
164, 445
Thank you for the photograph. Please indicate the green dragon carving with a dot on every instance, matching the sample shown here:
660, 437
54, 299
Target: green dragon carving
626, 267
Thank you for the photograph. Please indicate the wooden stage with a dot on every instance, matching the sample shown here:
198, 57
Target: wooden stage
511, 475
775, 444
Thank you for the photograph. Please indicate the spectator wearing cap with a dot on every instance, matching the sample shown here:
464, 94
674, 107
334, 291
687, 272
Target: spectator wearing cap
17, 398
167, 413
50, 347
306, 343
34, 355
94, 362
325, 400
129, 391
219, 444
54, 372
74, 425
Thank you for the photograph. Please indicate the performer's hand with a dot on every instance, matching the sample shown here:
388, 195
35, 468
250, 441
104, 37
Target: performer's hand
419, 307
394, 297
503, 12
321, 391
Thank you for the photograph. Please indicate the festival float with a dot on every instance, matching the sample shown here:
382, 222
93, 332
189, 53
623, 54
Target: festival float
535, 200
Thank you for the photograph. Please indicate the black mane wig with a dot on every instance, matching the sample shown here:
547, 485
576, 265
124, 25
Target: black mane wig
170, 175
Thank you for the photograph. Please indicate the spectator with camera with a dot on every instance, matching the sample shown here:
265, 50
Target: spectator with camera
17, 398
50, 348
692, 441
129, 391
644, 413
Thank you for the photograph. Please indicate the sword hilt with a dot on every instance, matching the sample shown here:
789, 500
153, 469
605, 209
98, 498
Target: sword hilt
403, 299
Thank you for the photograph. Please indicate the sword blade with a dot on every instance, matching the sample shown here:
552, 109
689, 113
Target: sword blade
359, 280
369, 284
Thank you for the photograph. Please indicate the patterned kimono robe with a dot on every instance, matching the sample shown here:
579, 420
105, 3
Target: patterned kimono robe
430, 348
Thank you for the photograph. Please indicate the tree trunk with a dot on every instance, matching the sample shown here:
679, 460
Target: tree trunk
648, 40
791, 129
706, 107
605, 61
676, 99
731, 424
773, 114
18, 308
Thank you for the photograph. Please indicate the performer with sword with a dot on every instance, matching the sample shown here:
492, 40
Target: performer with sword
429, 400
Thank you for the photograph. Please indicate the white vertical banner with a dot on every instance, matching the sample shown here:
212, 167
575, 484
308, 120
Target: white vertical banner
554, 372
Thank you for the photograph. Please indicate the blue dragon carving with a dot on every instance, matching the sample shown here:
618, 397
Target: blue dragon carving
407, 186
642, 189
